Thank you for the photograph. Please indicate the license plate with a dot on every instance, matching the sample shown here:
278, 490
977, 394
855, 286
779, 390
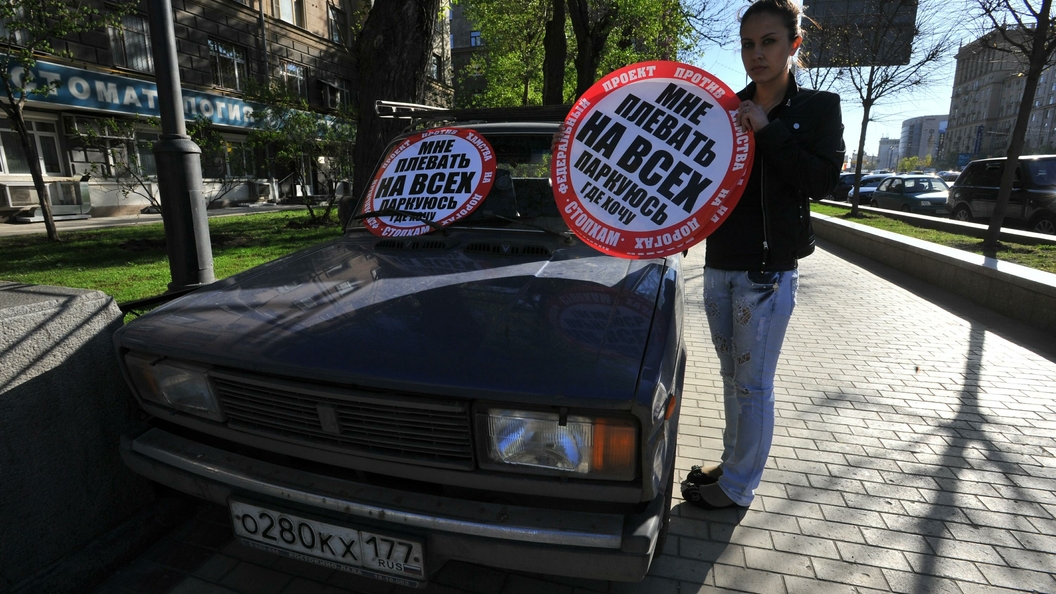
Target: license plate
390, 558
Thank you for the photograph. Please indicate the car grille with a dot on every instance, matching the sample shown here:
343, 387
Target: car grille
390, 426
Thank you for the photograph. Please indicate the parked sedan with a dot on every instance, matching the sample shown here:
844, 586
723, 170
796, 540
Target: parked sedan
495, 392
867, 187
921, 194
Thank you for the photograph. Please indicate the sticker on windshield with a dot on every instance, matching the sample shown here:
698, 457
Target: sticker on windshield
431, 179
650, 161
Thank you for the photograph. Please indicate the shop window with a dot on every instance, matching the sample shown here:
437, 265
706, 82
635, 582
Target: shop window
232, 159
229, 64
13, 158
130, 44
293, 78
291, 11
338, 25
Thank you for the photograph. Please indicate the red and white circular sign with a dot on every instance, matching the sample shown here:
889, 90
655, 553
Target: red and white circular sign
442, 174
650, 161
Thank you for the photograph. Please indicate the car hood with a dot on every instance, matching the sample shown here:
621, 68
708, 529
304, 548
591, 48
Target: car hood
571, 325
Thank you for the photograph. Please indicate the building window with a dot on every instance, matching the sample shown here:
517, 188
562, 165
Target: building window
130, 44
15, 160
338, 25
232, 159
229, 64
291, 11
474, 39
16, 37
336, 93
294, 79
436, 68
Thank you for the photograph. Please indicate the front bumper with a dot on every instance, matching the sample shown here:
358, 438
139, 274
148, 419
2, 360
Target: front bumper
558, 542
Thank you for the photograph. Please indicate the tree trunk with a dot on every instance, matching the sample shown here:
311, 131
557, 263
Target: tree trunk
1038, 57
555, 50
30, 149
590, 40
866, 108
393, 52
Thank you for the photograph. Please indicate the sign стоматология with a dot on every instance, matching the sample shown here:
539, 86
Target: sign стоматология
442, 174
650, 161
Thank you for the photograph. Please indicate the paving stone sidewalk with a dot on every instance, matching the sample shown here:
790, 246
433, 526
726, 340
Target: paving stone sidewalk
915, 452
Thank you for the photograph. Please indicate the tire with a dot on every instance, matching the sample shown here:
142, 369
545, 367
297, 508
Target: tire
1044, 223
874, 204
961, 213
905, 208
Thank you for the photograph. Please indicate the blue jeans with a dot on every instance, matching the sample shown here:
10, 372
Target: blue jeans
748, 313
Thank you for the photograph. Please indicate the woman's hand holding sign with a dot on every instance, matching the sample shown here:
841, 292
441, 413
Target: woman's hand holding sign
751, 116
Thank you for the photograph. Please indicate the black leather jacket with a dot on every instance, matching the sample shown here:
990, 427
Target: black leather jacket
799, 154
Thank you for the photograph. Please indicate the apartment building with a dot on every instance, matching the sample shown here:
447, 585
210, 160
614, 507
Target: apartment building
988, 87
222, 45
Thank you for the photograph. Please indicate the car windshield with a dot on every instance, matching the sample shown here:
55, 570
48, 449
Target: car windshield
872, 182
521, 191
1042, 172
920, 185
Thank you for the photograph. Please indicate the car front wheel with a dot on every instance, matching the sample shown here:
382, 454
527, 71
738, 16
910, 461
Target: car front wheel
874, 204
1044, 223
961, 213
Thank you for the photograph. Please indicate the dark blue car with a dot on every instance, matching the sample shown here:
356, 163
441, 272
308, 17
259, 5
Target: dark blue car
497, 392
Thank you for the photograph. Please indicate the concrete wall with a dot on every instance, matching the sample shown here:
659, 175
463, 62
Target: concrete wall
1015, 291
63, 405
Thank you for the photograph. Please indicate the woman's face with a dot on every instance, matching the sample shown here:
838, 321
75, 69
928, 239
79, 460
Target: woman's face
765, 47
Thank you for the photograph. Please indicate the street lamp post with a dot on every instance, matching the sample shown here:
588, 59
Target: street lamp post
179, 165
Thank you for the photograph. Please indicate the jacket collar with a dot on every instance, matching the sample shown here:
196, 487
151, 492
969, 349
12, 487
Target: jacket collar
793, 88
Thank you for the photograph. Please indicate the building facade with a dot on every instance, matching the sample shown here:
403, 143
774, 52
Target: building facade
988, 88
223, 47
922, 137
887, 156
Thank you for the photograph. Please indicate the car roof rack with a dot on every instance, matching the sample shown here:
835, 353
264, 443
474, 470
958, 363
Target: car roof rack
421, 114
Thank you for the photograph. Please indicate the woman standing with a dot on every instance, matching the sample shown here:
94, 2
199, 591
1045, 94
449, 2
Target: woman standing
750, 275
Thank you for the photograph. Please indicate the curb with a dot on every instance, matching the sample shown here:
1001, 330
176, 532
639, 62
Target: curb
1015, 291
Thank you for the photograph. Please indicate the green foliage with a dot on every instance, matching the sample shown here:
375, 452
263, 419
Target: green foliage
304, 142
130, 263
511, 59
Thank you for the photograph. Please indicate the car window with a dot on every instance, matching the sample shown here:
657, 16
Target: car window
872, 182
886, 186
522, 187
984, 175
921, 185
1042, 172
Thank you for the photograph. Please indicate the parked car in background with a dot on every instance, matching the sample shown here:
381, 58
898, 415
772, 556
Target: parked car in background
1032, 204
921, 194
496, 391
843, 186
867, 187
949, 176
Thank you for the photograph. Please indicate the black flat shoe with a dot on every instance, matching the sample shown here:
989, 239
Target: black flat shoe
704, 476
707, 496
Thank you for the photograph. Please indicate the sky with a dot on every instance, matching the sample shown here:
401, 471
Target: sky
886, 117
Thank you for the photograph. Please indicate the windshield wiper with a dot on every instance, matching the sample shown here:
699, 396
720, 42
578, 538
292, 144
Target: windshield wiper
566, 236
396, 212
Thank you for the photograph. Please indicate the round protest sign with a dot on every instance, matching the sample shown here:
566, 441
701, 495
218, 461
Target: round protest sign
650, 161
438, 175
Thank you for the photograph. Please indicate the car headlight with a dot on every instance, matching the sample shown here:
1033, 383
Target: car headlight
536, 441
179, 385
